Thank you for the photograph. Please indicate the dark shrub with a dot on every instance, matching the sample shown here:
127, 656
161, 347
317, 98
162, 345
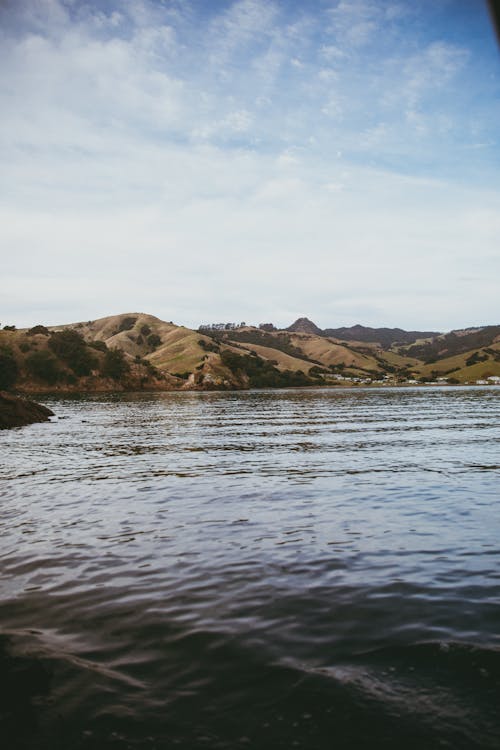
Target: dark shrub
475, 358
127, 324
38, 329
115, 365
145, 330
145, 363
261, 373
281, 341
99, 345
70, 346
44, 366
9, 370
153, 372
207, 346
317, 370
154, 340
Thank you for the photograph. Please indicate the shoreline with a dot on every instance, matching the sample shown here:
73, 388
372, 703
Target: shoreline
40, 394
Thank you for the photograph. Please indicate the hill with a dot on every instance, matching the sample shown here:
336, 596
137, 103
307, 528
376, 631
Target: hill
455, 342
304, 325
137, 351
385, 337
69, 358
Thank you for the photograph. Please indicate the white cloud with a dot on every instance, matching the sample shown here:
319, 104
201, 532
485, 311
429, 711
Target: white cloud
245, 19
330, 52
244, 22
144, 154
277, 235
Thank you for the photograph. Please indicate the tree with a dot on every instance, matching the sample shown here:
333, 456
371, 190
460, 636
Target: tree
115, 365
261, 373
207, 346
70, 346
127, 324
44, 366
38, 329
99, 345
9, 370
154, 340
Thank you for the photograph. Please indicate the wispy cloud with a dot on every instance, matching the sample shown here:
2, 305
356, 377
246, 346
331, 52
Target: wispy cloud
313, 152
431, 69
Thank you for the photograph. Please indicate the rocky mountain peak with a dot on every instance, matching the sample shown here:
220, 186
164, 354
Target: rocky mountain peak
304, 325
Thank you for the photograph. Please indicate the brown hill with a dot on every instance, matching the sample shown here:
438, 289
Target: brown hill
385, 337
136, 351
63, 359
455, 342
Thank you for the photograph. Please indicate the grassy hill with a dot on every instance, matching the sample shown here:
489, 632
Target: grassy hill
455, 342
92, 356
469, 366
135, 351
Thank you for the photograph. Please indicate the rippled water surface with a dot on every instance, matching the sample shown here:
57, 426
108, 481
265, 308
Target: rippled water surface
310, 569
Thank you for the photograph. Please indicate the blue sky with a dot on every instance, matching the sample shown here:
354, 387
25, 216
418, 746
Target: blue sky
250, 160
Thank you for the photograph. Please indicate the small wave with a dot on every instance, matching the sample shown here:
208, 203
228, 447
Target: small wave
218, 692
447, 691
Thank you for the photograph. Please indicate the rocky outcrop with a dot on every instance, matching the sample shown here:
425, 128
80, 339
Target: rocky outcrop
17, 412
304, 325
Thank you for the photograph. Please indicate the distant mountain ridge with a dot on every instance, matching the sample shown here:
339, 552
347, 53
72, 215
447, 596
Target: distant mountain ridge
386, 337
455, 342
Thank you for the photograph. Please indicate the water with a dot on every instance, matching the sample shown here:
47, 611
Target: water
274, 569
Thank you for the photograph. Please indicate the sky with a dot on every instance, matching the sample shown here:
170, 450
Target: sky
250, 160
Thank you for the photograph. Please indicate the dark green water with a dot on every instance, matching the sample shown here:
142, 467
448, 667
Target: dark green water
287, 569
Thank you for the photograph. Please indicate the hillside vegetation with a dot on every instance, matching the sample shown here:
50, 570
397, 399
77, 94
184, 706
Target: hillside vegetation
136, 351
